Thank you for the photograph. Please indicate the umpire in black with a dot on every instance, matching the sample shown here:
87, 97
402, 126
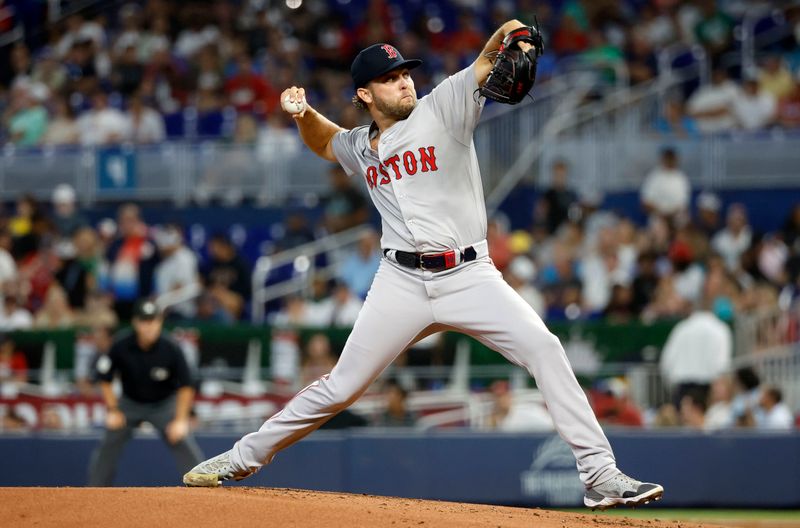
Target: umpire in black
156, 388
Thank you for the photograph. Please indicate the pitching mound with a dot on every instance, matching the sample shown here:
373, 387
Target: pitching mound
193, 507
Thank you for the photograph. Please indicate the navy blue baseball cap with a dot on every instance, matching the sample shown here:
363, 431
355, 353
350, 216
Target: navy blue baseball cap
376, 60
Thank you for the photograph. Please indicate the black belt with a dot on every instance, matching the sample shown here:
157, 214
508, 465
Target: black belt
433, 261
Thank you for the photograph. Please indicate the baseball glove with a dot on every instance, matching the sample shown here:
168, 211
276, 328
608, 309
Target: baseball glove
514, 70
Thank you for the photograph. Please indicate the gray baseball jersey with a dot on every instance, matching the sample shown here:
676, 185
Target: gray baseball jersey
424, 177
424, 180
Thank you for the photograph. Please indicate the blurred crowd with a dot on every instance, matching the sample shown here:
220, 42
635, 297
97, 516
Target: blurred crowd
577, 260
123, 71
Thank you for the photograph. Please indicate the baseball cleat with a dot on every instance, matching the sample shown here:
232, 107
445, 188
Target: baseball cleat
621, 490
211, 473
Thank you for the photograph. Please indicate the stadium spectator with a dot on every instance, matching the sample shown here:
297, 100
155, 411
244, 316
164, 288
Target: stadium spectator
559, 198
227, 276
698, 350
788, 112
775, 78
753, 108
344, 206
97, 311
102, 125
708, 218
693, 409
675, 122
14, 315
712, 105
56, 312
66, 216
719, 414
210, 311
13, 363
601, 268
297, 230
645, 283
612, 404
144, 124
8, 266
343, 306
515, 415
714, 31
248, 91
177, 270
397, 413
360, 265
83, 272
132, 258
735, 238
498, 239
520, 275
666, 189
318, 358
745, 405
127, 72
27, 117
63, 127
775, 414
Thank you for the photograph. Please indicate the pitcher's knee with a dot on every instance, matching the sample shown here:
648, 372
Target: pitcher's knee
340, 397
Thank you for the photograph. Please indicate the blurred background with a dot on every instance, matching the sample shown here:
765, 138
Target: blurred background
645, 201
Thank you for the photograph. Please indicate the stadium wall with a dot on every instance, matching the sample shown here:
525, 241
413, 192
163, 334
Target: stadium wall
525, 469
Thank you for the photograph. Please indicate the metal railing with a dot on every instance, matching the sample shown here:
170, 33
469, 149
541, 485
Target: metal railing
769, 341
303, 259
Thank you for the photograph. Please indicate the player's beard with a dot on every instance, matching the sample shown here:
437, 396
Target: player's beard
399, 110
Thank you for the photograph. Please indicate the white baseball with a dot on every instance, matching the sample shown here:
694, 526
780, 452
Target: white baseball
293, 107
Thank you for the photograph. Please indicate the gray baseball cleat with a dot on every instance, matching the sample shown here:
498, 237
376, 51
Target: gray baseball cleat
212, 472
621, 490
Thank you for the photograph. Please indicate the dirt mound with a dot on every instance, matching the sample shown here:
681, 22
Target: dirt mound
193, 507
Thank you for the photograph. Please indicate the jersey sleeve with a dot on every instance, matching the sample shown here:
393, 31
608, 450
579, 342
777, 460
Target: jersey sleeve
457, 104
346, 147
106, 365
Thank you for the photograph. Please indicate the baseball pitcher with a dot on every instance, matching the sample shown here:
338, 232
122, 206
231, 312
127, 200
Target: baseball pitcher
418, 161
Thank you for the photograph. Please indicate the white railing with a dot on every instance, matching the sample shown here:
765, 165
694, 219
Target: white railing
303, 259
769, 341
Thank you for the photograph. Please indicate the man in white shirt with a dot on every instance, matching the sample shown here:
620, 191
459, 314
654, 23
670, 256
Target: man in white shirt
177, 269
735, 239
776, 414
102, 125
753, 107
698, 350
666, 190
711, 105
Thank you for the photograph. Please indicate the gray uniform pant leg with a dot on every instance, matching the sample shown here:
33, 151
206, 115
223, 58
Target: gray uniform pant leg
395, 312
483, 305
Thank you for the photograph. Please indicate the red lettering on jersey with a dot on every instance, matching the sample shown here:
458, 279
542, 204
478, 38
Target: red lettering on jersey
386, 179
394, 162
428, 159
390, 51
372, 176
409, 162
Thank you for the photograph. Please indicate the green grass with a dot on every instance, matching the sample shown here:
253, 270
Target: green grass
701, 515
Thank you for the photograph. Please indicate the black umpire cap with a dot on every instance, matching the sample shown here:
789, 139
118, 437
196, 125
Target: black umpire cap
376, 60
146, 310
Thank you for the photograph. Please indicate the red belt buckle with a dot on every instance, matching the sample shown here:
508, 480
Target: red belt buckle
449, 259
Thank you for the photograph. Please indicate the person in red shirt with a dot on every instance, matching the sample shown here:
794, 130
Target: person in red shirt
613, 406
13, 363
249, 92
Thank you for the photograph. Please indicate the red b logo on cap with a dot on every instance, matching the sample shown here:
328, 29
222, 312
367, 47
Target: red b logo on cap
390, 51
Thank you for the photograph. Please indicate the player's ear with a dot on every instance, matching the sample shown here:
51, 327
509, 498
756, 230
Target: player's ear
365, 95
